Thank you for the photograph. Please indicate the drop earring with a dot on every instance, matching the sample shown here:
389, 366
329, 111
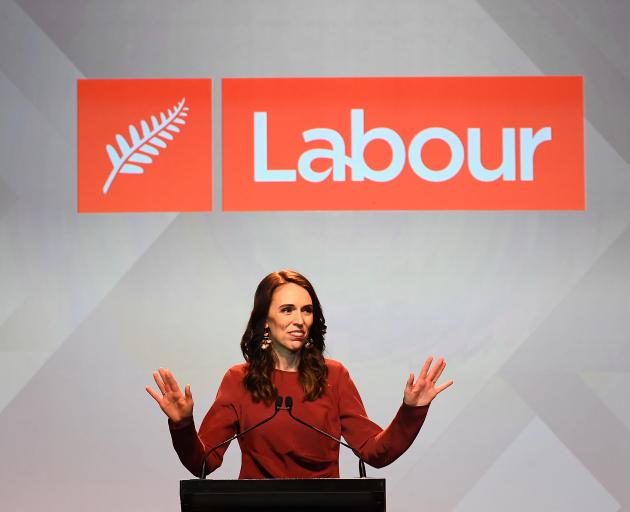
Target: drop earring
266, 340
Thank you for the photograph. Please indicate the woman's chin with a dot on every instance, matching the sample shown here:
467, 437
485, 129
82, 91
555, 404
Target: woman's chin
292, 346
296, 345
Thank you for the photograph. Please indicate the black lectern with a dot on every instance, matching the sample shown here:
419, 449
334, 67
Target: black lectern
310, 494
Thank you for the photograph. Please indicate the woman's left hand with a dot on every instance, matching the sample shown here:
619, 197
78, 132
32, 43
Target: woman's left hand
424, 389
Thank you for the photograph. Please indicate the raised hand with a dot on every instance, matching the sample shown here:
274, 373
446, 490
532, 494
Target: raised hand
424, 389
176, 405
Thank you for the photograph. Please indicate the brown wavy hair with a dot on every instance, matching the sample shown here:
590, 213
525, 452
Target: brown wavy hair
312, 370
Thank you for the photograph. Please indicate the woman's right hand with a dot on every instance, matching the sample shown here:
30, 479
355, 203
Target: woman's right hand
176, 405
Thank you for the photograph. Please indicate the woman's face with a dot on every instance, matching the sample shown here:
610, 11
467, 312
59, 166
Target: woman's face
290, 317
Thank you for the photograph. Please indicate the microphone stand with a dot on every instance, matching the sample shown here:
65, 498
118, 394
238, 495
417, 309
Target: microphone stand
278, 406
288, 402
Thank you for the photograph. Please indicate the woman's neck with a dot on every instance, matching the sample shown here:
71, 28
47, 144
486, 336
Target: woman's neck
286, 360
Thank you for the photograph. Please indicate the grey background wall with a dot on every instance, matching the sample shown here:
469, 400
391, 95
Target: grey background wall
529, 308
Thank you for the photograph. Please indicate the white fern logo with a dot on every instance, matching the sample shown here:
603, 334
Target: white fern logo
129, 157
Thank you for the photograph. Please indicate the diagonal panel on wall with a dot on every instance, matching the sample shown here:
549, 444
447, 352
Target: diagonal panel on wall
548, 34
46, 77
613, 389
587, 332
527, 477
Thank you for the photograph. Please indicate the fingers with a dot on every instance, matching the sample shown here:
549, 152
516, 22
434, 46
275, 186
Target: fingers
441, 388
437, 370
425, 368
169, 380
187, 392
409, 381
155, 396
160, 383
167, 384
439, 373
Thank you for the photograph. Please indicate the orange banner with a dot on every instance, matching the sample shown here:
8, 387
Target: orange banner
144, 145
474, 143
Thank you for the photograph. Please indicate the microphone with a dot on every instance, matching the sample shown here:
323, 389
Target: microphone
278, 406
288, 402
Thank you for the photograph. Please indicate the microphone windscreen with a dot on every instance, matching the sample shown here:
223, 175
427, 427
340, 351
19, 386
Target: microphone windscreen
278, 403
288, 402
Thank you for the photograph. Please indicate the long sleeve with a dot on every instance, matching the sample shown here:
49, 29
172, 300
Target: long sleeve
219, 424
376, 446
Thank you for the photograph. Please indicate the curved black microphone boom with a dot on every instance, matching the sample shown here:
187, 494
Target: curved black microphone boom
288, 405
278, 406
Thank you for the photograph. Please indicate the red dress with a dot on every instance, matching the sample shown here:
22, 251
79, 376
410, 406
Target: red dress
282, 448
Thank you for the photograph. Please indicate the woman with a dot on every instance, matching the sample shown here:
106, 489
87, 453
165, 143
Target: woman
283, 346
